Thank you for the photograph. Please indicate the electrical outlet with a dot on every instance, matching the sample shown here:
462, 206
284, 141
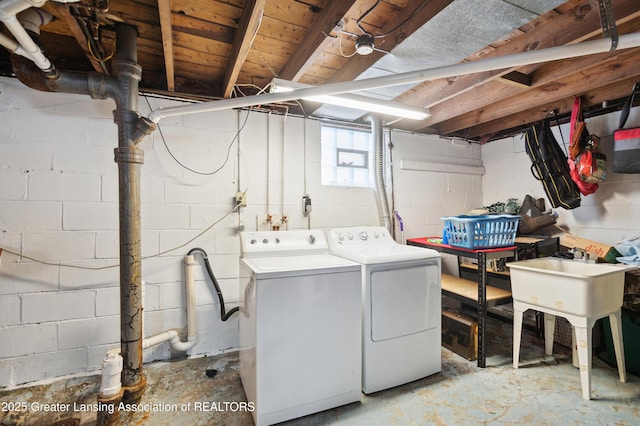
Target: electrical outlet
241, 199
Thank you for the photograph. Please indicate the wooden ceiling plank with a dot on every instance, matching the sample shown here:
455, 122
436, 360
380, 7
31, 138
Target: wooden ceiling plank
164, 10
247, 29
315, 40
62, 12
200, 28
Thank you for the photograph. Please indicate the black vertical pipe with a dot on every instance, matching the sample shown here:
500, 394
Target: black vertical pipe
123, 89
129, 159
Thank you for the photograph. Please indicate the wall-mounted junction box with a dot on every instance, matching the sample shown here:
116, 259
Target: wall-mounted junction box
241, 199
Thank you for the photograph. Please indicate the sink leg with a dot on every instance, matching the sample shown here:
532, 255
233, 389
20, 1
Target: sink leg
616, 333
517, 334
574, 348
583, 341
549, 331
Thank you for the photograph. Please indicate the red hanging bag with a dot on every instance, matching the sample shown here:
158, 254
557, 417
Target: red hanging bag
587, 166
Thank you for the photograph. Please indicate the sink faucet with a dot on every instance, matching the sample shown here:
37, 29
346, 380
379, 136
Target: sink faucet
584, 256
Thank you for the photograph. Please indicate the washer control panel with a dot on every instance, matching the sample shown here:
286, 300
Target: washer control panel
279, 243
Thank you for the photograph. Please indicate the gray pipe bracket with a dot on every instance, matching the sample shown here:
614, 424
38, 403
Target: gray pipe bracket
126, 69
129, 154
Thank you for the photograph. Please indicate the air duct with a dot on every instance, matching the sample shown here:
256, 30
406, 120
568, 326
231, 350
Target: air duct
379, 187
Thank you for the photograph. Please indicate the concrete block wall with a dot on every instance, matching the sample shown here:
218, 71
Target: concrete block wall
58, 203
423, 195
609, 215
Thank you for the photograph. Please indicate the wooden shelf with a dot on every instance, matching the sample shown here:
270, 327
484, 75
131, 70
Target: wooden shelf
468, 289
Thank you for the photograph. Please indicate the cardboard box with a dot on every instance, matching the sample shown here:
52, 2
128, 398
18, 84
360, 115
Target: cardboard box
460, 334
605, 252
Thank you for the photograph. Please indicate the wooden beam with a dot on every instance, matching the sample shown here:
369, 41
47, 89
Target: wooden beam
621, 66
494, 91
247, 30
164, 10
61, 11
517, 79
316, 39
618, 90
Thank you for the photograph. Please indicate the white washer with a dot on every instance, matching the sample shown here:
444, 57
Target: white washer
401, 306
300, 325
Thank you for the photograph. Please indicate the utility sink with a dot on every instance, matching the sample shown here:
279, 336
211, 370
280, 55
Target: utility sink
579, 291
569, 286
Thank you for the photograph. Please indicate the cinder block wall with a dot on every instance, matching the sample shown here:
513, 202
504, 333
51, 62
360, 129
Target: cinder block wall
58, 203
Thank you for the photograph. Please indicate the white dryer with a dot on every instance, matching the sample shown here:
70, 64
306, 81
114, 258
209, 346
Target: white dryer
401, 303
300, 325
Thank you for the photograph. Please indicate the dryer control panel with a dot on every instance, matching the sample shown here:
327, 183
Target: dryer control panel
360, 235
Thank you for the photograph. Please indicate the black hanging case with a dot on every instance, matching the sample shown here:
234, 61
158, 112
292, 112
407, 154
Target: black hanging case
549, 166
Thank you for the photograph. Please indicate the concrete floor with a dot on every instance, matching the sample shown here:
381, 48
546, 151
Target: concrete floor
543, 391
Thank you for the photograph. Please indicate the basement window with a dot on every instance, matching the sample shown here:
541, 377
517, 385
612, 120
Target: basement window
346, 157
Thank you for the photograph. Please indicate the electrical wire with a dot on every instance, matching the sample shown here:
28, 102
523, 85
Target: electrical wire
361, 18
226, 160
364, 15
424, 3
103, 60
340, 47
98, 268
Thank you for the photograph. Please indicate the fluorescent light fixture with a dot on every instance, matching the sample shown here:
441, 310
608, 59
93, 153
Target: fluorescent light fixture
350, 100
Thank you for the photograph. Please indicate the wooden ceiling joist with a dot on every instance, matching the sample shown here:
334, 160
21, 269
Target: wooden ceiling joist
246, 32
164, 10
316, 40
62, 12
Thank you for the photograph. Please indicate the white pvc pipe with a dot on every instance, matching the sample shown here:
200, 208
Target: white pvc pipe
172, 336
111, 384
112, 363
33, 18
516, 60
13, 7
8, 11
